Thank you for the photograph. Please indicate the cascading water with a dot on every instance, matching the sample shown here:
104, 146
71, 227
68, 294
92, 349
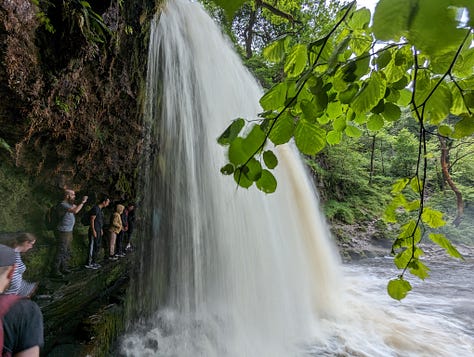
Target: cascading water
230, 272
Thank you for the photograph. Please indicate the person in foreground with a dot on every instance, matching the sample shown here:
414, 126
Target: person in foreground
22, 332
21, 243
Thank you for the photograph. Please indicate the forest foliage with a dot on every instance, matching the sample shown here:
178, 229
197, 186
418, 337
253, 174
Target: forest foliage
366, 75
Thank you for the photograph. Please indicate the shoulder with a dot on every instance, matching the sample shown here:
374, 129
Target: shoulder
25, 307
23, 326
65, 205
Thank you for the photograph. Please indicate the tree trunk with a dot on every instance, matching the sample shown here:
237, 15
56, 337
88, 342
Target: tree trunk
372, 154
445, 169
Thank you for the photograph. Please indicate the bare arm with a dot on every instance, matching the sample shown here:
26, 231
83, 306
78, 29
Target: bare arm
30, 352
94, 233
76, 208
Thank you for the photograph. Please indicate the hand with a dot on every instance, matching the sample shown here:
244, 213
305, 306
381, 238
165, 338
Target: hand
84, 199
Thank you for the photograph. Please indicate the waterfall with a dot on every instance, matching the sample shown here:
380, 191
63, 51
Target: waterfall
229, 272
247, 274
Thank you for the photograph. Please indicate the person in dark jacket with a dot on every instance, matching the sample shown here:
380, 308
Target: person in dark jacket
96, 232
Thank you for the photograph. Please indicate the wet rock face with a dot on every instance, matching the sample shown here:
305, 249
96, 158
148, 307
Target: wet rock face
70, 105
20, 75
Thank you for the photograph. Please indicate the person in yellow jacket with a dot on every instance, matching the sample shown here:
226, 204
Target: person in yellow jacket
115, 228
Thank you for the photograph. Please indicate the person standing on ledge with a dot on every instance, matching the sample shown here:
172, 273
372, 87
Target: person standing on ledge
66, 212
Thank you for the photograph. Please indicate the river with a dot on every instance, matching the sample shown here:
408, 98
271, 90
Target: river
435, 319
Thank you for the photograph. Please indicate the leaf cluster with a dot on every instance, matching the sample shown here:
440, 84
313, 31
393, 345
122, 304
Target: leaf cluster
360, 78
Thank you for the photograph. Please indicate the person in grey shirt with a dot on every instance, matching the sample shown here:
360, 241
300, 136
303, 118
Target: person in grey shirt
66, 212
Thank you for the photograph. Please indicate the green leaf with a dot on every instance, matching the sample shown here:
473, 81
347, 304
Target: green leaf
464, 127
417, 268
441, 38
296, 61
401, 259
283, 130
370, 94
445, 130
398, 288
410, 232
391, 19
334, 137
309, 138
353, 131
360, 19
346, 96
275, 98
339, 124
231, 132
270, 159
334, 110
391, 112
399, 185
267, 182
416, 184
432, 218
375, 122
443, 242
275, 51
230, 7
252, 170
241, 179
439, 104
237, 154
241, 149
405, 97
383, 59
227, 169
465, 63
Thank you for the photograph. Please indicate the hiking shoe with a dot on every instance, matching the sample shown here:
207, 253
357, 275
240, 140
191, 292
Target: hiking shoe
112, 257
96, 266
89, 266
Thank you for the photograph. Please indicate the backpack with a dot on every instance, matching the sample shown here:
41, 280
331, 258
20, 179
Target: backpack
6, 302
51, 218
86, 218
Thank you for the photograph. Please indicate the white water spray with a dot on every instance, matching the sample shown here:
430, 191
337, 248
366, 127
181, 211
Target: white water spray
246, 274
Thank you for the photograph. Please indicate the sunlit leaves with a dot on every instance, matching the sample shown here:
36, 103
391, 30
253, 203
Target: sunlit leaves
391, 18
275, 51
296, 61
241, 149
375, 122
438, 104
309, 138
275, 98
464, 127
442, 37
443, 242
391, 112
433, 218
344, 85
398, 288
418, 268
370, 94
283, 130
